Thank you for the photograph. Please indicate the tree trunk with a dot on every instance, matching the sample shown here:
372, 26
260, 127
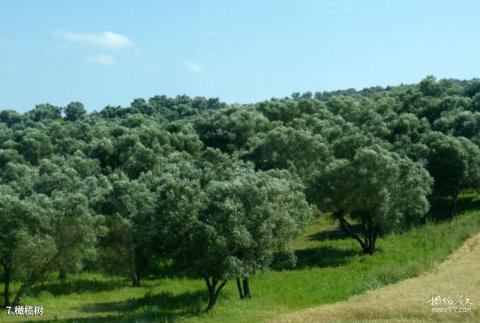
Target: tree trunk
62, 275
6, 288
240, 290
212, 300
33, 277
370, 248
135, 280
133, 265
213, 292
370, 238
246, 288
453, 206
348, 229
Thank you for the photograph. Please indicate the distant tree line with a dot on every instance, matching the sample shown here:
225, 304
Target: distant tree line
219, 191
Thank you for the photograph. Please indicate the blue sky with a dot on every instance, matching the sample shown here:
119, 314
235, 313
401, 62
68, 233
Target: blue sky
110, 52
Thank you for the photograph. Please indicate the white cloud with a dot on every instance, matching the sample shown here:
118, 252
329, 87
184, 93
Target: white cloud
101, 59
107, 39
191, 66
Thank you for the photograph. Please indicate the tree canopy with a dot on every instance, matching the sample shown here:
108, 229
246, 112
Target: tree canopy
218, 190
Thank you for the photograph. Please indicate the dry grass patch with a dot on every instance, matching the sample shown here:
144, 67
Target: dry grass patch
407, 301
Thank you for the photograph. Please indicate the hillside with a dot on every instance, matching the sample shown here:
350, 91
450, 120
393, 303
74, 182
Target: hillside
193, 208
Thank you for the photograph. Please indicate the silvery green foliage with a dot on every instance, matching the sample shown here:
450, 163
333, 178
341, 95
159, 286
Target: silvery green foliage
378, 189
377, 184
454, 163
229, 129
286, 148
127, 248
223, 220
48, 224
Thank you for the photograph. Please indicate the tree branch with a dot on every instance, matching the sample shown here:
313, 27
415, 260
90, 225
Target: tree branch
347, 227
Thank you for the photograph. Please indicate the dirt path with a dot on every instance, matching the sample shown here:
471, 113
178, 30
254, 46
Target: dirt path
458, 278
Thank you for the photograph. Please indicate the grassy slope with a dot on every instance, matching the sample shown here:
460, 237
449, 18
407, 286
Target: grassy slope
330, 269
408, 300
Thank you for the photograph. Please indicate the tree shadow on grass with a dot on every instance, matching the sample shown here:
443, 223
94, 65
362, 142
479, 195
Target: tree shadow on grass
76, 286
324, 257
189, 303
335, 234
163, 307
440, 207
468, 203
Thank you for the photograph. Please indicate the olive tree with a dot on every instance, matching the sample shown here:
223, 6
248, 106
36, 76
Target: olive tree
285, 148
454, 163
229, 129
125, 248
268, 210
70, 231
377, 189
222, 227
16, 223
49, 225
74, 111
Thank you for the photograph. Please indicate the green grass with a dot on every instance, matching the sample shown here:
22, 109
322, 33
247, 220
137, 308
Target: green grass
330, 268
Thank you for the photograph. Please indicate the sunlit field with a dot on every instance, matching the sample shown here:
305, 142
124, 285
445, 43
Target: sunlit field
417, 299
